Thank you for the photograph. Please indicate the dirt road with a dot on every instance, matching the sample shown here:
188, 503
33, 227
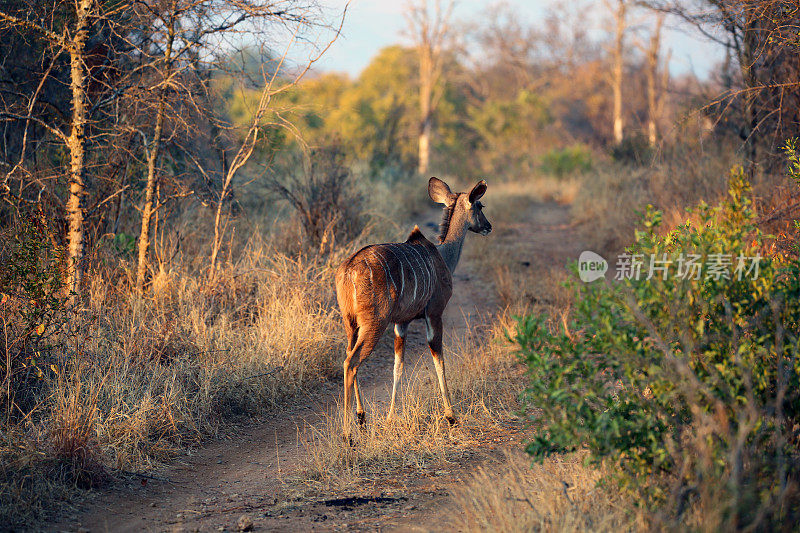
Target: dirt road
250, 471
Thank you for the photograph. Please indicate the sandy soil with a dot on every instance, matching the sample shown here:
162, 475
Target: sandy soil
250, 470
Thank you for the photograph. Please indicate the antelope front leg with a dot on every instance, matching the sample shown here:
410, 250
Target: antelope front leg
400, 331
434, 331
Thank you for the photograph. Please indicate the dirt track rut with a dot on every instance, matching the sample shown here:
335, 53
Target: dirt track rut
245, 471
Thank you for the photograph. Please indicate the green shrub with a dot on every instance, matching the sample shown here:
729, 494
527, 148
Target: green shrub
689, 388
566, 161
33, 310
790, 151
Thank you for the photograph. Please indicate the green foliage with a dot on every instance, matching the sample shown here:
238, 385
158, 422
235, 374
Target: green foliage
33, 307
240, 102
124, 244
375, 116
500, 119
677, 379
571, 160
31, 272
793, 159
507, 129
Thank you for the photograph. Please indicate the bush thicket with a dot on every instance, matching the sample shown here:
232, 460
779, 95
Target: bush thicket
687, 383
573, 159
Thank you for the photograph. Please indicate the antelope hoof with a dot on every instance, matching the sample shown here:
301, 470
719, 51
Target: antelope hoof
362, 420
453, 421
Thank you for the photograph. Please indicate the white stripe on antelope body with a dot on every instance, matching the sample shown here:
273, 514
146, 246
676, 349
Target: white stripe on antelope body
395, 283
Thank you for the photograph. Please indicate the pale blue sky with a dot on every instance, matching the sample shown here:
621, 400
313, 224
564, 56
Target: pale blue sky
372, 24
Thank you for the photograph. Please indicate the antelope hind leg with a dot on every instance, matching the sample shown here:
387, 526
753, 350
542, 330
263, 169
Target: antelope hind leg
367, 339
361, 416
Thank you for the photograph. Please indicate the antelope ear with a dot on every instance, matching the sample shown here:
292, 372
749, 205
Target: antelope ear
440, 192
477, 191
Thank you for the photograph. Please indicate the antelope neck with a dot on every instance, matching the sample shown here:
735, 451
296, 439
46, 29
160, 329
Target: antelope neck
451, 245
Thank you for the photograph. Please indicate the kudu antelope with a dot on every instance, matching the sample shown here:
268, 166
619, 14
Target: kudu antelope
396, 283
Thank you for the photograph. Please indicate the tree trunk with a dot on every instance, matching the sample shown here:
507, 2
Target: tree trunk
147, 211
429, 34
156, 219
426, 75
239, 160
152, 162
218, 215
751, 119
120, 201
619, 42
77, 151
425, 146
217, 236
652, 89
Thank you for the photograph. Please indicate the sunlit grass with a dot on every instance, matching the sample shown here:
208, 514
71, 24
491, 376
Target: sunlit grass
484, 382
558, 495
144, 376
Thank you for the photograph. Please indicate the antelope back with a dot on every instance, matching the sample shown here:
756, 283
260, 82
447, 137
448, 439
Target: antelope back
394, 282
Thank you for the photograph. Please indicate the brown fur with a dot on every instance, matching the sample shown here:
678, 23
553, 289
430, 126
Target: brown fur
444, 226
364, 281
390, 283
400, 282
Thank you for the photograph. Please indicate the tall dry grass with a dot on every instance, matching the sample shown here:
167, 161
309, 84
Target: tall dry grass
610, 200
559, 495
484, 383
138, 377
200, 348
132, 379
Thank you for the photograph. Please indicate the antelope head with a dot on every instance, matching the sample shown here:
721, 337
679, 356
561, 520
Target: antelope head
477, 220
462, 210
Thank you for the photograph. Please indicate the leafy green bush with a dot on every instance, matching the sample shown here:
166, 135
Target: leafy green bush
124, 244
33, 309
689, 386
566, 161
790, 151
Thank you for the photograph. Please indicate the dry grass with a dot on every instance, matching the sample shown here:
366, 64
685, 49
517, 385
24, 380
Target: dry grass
527, 274
547, 189
136, 378
140, 377
559, 495
610, 201
170, 366
484, 382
